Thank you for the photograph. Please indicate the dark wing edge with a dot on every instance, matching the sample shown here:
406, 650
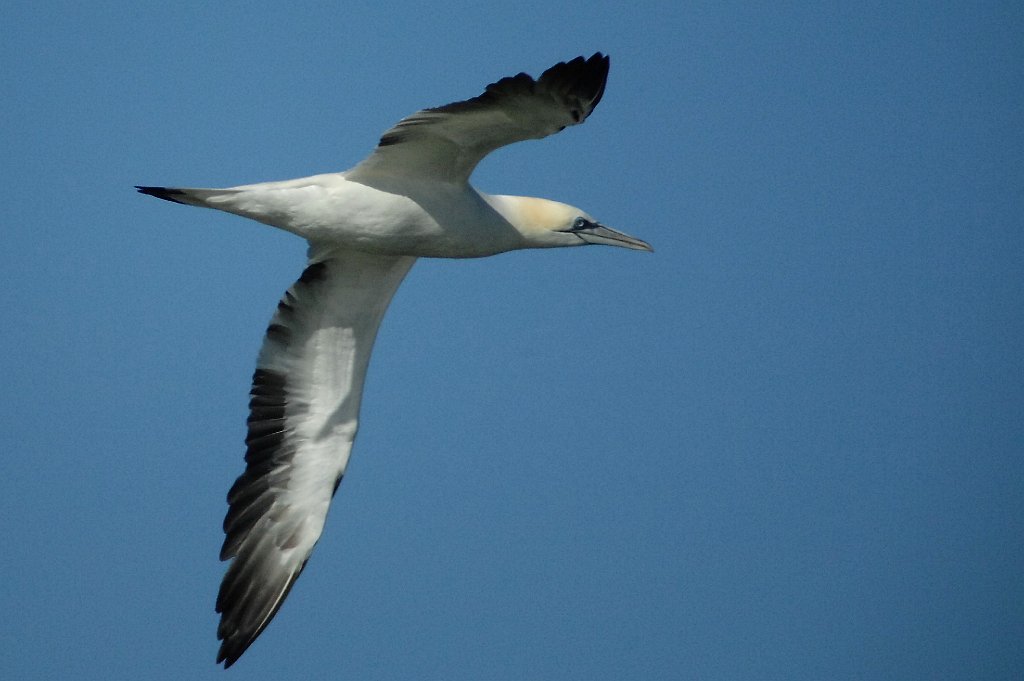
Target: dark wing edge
579, 83
447, 142
300, 430
246, 605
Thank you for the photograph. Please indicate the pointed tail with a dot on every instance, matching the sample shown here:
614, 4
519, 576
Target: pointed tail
165, 193
188, 196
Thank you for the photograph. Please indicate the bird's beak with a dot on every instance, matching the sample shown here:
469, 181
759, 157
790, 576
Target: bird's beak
599, 234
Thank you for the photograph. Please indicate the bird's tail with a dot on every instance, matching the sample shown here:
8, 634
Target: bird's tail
263, 202
189, 196
186, 196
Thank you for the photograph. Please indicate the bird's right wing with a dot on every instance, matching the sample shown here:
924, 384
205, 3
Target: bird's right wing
304, 408
447, 142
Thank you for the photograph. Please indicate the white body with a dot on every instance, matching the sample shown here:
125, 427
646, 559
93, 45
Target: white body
387, 216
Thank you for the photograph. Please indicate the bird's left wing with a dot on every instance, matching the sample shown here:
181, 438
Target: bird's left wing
304, 408
447, 142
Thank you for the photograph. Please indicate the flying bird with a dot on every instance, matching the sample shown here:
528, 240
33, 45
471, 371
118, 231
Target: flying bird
409, 198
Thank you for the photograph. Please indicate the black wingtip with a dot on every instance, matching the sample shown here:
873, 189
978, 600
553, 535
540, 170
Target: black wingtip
586, 77
165, 193
598, 66
234, 640
228, 660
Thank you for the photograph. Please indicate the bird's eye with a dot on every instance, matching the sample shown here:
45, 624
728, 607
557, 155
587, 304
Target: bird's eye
579, 223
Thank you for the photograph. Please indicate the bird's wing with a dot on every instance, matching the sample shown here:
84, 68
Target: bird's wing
447, 142
304, 408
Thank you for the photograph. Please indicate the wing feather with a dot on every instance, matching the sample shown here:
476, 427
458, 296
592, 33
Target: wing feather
304, 406
447, 142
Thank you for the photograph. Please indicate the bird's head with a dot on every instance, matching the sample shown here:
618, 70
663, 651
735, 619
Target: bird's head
550, 224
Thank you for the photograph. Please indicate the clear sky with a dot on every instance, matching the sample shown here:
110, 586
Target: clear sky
787, 445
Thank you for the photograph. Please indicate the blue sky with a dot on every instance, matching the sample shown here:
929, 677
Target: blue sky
787, 445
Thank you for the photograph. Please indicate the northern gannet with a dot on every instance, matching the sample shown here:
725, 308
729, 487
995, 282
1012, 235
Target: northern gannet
410, 198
